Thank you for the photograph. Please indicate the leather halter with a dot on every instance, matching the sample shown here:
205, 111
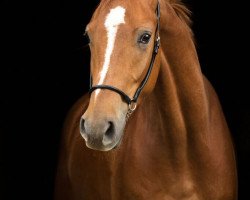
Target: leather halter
132, 102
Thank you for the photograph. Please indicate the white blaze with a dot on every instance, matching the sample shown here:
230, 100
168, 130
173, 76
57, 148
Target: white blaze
113, 20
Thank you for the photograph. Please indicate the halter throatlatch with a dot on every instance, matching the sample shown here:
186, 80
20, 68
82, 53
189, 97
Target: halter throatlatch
132, 103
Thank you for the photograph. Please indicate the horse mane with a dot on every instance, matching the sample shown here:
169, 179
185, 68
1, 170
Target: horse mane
179, 7
183, 13
181, 10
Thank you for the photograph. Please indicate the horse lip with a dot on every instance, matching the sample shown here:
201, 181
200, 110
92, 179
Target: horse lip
102, 148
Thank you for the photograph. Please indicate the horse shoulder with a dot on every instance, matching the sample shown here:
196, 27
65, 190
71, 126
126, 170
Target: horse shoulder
220, 144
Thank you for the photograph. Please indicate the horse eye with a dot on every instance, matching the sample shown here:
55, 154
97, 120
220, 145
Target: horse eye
145, 38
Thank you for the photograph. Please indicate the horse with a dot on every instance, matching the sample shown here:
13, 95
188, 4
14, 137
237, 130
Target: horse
151, 126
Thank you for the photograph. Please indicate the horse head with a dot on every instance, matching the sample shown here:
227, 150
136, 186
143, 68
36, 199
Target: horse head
123, 43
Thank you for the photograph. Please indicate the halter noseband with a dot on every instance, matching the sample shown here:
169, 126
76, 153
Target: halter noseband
132, 102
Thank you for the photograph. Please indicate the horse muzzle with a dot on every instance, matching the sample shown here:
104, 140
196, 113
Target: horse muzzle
101, 134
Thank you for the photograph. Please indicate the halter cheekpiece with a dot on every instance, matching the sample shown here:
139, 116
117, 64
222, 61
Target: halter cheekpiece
132, 103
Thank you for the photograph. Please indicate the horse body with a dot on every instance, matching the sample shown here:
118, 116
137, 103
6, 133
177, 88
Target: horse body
175, 146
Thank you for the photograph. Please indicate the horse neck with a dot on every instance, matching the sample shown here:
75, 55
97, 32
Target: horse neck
179, 98
180, 74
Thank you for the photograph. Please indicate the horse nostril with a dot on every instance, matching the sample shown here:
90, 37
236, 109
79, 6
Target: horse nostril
82, 126
109, 134
111, 130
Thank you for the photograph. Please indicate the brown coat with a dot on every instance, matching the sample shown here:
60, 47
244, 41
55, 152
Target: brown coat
175, 146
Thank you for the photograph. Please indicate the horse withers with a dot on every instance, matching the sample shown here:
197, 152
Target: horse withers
151, 127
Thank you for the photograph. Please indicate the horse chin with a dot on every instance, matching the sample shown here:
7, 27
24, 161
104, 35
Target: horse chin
104, 149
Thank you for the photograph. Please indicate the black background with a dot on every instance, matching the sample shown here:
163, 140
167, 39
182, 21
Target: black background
44, 70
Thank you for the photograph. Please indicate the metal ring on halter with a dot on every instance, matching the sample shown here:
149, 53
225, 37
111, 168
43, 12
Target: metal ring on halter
132, 106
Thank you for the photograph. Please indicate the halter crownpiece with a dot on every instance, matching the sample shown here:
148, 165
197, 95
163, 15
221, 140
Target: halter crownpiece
132, 103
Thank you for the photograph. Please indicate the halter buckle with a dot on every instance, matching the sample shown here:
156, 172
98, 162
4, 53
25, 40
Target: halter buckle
157, 44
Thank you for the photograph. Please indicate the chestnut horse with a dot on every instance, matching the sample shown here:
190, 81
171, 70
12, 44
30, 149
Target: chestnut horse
151, 127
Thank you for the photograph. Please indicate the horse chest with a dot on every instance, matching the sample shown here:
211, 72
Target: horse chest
123, 176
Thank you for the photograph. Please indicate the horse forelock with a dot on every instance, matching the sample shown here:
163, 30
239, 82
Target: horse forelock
179, 7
